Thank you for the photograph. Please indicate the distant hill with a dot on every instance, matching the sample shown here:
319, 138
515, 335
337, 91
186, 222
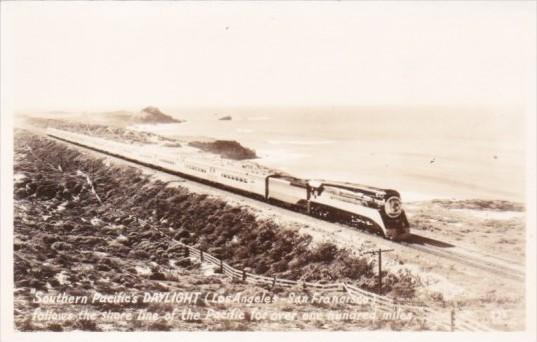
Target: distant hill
118, 118
229, 149
151, 115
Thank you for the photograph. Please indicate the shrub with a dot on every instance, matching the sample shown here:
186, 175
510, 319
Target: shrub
324, 252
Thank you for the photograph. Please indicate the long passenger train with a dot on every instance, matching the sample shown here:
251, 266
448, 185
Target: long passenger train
364, 207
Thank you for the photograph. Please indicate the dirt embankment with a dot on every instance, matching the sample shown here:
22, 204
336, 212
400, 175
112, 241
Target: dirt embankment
83, 224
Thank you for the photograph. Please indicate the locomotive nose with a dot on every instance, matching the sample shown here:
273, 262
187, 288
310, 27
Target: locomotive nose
393, 207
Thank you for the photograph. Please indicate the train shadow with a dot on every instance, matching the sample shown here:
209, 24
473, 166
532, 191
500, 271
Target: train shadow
421, 240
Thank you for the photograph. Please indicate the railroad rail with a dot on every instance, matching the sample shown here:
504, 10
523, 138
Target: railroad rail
501, 267
475, 261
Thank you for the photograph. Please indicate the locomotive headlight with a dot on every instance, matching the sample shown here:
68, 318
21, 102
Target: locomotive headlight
393, 207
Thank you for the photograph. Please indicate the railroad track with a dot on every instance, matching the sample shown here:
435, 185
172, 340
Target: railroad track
493, 264
469, 258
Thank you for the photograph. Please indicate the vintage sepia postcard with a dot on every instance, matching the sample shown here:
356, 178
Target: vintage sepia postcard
268, 170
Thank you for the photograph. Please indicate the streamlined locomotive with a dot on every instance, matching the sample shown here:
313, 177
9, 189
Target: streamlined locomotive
365, 207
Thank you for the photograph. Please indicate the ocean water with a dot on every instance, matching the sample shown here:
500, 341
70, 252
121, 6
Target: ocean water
422, 152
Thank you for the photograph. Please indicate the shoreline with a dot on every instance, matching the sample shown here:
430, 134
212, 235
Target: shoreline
290, 160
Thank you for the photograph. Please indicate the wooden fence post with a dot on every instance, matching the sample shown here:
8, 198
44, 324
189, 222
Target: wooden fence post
243, 274
187, 252
274, 282
201, 255
221, 266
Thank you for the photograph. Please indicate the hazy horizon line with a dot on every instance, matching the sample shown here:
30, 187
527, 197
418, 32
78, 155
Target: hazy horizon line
106, 109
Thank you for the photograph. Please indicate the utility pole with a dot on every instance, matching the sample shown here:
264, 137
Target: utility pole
379, 254
452, 319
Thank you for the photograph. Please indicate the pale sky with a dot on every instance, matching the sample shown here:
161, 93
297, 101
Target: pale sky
119, 55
